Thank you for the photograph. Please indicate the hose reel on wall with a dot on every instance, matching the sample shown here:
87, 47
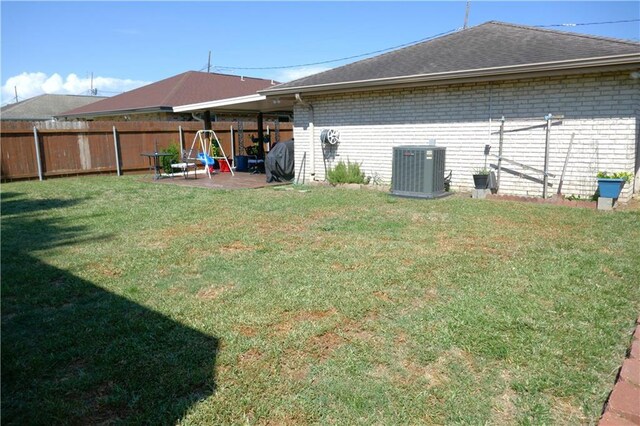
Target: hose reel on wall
330, 137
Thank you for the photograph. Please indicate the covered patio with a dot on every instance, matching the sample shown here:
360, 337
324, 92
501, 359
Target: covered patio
255, 104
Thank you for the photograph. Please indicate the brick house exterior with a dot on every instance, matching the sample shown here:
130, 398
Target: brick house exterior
600, 110
600, 105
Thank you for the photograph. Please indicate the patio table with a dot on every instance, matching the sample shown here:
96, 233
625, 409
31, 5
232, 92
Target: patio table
154, 161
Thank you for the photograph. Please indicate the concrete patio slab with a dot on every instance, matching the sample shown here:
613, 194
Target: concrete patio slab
241, 180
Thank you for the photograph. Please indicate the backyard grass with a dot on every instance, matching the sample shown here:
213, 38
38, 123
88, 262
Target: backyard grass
125, 301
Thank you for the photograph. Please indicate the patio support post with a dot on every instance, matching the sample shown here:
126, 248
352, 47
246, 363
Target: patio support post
546, 157
181, 134
38, 159
233, 143
117, 150
260, 136
500, 151
206, 116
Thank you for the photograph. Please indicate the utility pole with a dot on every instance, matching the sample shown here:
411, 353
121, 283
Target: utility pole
209, 63
91, 92
15, 88
466, 15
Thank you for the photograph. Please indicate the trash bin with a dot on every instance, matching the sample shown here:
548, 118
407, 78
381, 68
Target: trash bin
242, 163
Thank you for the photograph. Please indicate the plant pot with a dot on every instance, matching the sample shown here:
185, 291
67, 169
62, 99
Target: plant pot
610, 188
224, 167
480, 181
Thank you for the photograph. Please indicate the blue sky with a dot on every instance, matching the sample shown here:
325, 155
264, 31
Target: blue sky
55, 46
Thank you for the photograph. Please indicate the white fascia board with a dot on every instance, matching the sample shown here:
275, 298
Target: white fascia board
218, 103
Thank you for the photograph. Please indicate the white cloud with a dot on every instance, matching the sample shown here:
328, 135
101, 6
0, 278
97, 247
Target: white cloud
36, 83
296, 73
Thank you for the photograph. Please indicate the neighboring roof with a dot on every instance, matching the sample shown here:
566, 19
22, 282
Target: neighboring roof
186, 88
493, 48
45, 107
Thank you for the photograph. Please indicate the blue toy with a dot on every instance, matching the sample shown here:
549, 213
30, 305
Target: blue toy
205, 159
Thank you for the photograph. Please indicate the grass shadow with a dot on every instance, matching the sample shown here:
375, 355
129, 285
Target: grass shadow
75, 353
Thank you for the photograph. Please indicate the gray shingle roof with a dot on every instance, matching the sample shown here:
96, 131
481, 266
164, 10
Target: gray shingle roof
492, 44
45, 107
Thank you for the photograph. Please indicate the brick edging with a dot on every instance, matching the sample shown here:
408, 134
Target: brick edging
623, 405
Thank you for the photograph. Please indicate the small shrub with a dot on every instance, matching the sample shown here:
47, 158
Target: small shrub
626, 176
346, 173
174, 150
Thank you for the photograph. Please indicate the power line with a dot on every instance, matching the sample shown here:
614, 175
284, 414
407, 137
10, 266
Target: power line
588, 23
339, 59
223, 67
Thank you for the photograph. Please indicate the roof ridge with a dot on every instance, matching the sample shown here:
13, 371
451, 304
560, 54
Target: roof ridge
570, 33
176, 87
231, 75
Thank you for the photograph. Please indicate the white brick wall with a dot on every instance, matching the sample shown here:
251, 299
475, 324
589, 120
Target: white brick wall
601, 110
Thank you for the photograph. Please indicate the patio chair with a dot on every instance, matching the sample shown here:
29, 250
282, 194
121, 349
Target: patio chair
187, 161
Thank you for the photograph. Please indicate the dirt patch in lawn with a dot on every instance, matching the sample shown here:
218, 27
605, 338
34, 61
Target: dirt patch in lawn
565, 410
212, 293
322, 346
247, 330
289, 321
497, 246
611, 273
295, 365
342, 267
105, 269
381, 295
359, 331
313, 315
504, 408
235, 247
249, 358
284, 419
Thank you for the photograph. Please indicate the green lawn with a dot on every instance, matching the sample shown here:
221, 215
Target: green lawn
125, 301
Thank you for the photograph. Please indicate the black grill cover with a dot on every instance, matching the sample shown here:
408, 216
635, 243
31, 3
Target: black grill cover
279, 165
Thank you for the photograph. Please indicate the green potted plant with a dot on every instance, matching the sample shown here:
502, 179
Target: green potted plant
481, 178
610, 184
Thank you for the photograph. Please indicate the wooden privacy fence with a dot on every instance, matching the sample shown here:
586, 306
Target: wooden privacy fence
42, 149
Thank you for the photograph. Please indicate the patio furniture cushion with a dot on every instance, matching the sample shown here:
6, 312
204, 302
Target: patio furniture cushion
187, 162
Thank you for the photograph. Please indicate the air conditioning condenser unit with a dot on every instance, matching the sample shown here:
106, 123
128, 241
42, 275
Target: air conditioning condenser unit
418, 171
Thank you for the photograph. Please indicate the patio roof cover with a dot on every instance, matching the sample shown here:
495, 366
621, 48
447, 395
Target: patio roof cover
247, 104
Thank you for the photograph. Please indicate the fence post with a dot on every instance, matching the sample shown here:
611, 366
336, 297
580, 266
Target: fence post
115, 145
38, 159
